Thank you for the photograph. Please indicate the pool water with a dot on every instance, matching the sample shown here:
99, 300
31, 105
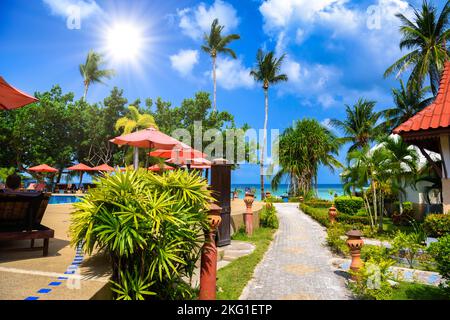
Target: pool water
64, 199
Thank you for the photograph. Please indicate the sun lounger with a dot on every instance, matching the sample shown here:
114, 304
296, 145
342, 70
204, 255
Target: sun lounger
21, 214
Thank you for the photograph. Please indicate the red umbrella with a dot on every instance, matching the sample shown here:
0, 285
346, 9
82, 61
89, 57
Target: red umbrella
82, 168
42, 168
12, 98
103, 167
147, 138
158, 167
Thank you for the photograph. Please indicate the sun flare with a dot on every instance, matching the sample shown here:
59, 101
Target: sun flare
124, 41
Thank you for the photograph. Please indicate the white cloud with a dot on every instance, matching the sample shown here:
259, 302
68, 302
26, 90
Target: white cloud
194, 22
64, 8
184, 61
363, 39
327, 123
231, 74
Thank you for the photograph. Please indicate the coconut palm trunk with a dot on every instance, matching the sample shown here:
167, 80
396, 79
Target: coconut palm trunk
135, 158
263, 147
86, 87
215, 85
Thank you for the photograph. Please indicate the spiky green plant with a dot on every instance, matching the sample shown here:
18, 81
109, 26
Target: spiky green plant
151, 228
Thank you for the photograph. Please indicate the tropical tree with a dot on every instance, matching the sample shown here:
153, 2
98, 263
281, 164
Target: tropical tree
215, 43
267, 71
403, 160
302, 149
359, 126
134, 122
408, 101
426, 36
91, 71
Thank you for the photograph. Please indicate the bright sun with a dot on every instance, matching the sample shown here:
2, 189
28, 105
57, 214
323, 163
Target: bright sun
124, 41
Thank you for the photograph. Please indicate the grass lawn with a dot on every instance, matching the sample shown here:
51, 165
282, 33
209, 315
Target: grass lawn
233, 278
416, 291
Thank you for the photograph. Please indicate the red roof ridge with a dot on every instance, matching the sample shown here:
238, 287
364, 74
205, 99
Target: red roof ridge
434, 116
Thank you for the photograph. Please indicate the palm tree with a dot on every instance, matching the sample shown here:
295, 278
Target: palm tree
426, 36
267, 71
408, 101
403, 160
134, 122
91, 72
302, 148
215, 43
359, 126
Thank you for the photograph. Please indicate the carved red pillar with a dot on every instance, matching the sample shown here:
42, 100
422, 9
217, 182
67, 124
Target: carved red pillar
248, 199
208, 269
355, 243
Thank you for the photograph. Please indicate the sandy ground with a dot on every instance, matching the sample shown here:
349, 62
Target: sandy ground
23, 272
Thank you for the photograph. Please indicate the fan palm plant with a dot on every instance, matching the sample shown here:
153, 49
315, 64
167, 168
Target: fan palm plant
359, 126
426, 36
134, 122
408, 101
268, 72
215, 43
302, 148
91, 71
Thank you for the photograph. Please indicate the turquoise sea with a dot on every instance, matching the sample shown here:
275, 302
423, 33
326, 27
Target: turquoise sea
323, 190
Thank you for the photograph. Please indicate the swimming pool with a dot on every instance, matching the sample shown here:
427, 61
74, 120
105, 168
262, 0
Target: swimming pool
63, 199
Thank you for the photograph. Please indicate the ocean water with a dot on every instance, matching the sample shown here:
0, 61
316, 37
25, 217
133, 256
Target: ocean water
324, 191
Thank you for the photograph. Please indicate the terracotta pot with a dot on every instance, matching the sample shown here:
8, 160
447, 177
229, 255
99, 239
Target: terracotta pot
355, 243
301, 199
332, 213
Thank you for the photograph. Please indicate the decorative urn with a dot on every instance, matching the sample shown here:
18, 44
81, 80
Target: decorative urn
355, 243
332, 213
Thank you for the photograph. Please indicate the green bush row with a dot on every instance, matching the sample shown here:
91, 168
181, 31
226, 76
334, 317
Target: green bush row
437, 225
318, 203
316, 213
348, 204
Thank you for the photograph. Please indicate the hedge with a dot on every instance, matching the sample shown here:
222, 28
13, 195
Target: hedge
317, 214
348, 205
318, 203
437, 225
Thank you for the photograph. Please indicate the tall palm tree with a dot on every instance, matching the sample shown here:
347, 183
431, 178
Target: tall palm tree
359, 126
134, 122
426, 36
91, 72
267, 71
215, 43
408, 101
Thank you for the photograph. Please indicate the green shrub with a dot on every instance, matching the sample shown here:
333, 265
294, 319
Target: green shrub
272, 199
437, 225
441, 253
334, 240
151, 227
348, 204
318, 214
373, 279
268, 217
294, 199
408, 246
353, 219
318, 203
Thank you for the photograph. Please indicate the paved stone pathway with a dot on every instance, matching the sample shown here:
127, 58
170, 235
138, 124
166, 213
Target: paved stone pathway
298, 265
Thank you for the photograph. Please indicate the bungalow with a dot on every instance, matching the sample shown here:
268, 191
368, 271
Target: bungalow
429, 130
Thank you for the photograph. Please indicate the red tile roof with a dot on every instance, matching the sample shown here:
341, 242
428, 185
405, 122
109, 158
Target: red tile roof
436, 115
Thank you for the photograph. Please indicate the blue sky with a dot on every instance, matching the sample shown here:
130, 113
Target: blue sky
337, 51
